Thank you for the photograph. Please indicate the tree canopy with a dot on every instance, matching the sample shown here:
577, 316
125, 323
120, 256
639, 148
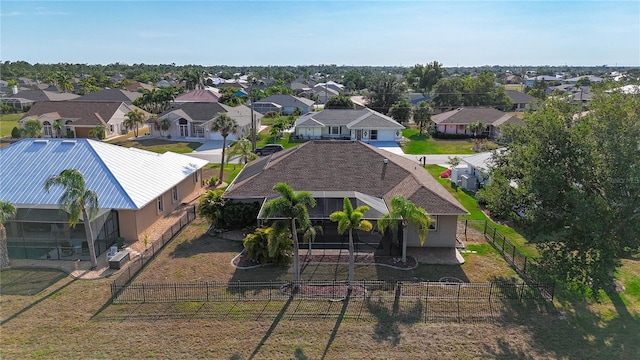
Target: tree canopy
384, 91
576, 181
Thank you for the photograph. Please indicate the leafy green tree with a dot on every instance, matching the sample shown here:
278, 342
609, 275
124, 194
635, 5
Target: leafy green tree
225, 125
63, 81
32, 128
384, 91
77, 201
211, 207
405, 212
422, 115
448, 93
7, 211
350, 219
401, 111
577, 203
583, 81
293, 207
477, 126
229, 97
424, 78
193, 78
339, 102
134, 120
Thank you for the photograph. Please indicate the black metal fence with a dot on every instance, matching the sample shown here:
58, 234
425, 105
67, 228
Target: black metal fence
520, 262
138, 263
332, 290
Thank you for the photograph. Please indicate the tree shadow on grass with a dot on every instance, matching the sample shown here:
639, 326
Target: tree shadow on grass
595, 331
273, 326
334, 332
28, 282
389, 320
204, 244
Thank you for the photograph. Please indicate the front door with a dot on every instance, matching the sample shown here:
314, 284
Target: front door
358, 134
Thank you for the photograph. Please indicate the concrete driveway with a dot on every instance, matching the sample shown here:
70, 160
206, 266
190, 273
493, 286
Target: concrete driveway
211, 150
390, 146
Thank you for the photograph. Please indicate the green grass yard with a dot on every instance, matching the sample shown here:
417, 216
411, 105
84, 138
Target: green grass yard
420, 144
159, 146
8, 122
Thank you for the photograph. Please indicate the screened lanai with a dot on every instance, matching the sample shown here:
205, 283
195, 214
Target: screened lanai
328, 202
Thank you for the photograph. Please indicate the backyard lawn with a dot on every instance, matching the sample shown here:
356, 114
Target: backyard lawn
424, 144
8, 122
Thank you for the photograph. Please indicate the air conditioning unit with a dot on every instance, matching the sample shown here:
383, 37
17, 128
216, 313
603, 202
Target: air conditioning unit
469, 182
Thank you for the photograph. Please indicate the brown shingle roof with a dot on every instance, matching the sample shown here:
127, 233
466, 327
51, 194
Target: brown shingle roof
87, 113
468, 115
345, 166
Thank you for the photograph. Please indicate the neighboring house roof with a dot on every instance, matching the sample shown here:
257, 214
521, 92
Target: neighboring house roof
344, 166
592, 78
207, 111
111, 95
518, 97
468, 115
135, 85
415, 98
123, 178
481, 161
199, 95
627, 89
359, 100
43, 95
85, 113
352, 119
287, 101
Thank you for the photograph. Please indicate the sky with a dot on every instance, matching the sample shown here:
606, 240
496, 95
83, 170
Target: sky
374, 33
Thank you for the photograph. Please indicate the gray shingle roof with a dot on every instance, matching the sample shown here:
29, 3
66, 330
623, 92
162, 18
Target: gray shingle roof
353, 119
111, 95
345, 166
287, 101
206, 111
518, 97
468, 115
43, 95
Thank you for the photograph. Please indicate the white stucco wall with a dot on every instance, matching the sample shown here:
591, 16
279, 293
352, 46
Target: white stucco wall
443, 236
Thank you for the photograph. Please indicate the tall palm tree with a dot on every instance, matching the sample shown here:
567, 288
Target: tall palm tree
405, 212
98, 131
7, 211
293, 207
135, 118
225, 125
349, 219
78, 201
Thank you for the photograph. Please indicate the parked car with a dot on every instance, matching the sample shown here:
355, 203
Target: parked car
268, 149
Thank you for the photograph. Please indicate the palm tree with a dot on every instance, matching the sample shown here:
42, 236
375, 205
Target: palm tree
7, 211
164, 124
225, 125
134, 119
63, 81
57, 126
405, 212
292, 207
98, 131
349, 219
309, 233
241, 148
78, 201
32, 128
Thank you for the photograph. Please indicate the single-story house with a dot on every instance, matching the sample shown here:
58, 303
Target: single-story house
81, 117
591, 78
135, 189
346, 124
520, 100
457, 121
111, 95
332, 170
192, 120
20, 100
286, 104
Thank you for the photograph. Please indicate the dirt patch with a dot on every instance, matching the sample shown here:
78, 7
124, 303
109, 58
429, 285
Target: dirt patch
323, 291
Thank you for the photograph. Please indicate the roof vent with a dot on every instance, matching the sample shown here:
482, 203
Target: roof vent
68, 142
385, 161
40, 141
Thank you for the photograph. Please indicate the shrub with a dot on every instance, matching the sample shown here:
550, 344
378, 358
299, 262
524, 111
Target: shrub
15, 133
70, 134
269, 245
237, 215
271, 115
8, 109
441, 135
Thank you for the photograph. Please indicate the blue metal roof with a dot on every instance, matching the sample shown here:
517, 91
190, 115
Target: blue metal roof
120, 176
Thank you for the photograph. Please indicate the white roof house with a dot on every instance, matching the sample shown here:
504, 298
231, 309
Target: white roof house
123, 178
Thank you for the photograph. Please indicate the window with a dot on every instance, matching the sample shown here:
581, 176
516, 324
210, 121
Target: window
433, 223
374, 134
111, 128
174, 194
160, 203
335, 130
196, 177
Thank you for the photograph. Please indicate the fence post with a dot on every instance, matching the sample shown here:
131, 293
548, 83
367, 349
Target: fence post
513, 255
466, 224
144, 294
175, 290
503, 240
459, 284
207, 284
484, 231
494, 234
525, 266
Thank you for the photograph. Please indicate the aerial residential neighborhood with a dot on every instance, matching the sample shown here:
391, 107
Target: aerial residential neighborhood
245, 185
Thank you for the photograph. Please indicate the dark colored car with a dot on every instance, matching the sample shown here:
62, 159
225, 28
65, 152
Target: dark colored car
268, 149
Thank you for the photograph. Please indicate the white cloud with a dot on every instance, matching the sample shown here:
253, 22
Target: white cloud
13, 13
